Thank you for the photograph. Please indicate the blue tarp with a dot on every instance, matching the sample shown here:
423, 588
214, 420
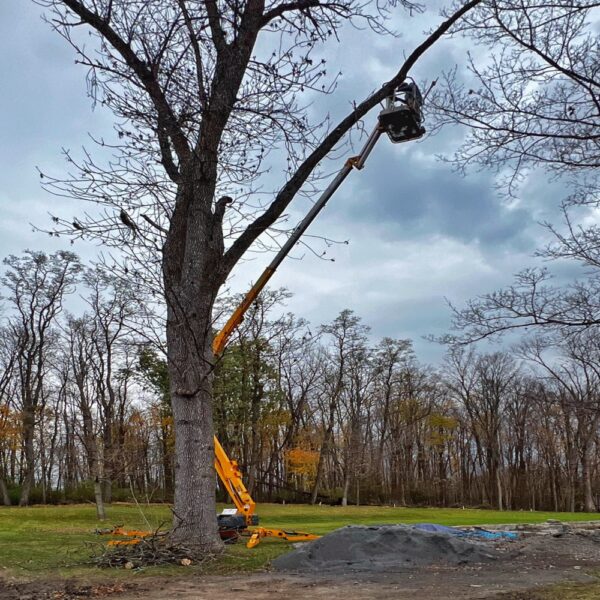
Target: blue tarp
437, 528
477, 533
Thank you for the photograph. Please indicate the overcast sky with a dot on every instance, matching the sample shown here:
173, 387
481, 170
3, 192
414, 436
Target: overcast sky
418, 233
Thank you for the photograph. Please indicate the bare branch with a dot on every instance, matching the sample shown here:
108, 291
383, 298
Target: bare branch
288, 191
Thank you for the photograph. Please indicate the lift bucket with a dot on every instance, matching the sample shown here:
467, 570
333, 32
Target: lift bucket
401, 118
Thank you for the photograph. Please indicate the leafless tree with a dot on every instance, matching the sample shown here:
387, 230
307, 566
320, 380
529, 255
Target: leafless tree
113, 303
533, 105
36, 284
203, 93
8, 359
411, 407
482, 385
356, 399
346, 334
532, 302
575, 375
535, 101
391, 360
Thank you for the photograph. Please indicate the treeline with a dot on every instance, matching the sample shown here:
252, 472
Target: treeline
313, 414
331, 416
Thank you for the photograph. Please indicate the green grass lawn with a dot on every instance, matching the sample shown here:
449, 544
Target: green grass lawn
55, 540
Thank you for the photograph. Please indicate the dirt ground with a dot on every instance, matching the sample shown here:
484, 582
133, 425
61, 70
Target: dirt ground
535, 561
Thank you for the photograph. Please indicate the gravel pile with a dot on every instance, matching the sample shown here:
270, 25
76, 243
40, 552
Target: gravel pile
382, 548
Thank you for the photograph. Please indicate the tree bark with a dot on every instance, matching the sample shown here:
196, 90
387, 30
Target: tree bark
500, 502
194, 507
98, 495
194, 469
346, 489
167, 464
588, 495
4, 492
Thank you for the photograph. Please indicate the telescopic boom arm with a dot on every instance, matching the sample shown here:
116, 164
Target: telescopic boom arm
401, 120
227, 469
356, 162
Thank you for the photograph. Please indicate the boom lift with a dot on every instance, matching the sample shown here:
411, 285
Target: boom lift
402, 120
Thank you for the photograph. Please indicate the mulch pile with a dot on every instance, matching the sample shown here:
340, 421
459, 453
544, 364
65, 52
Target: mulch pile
383, 548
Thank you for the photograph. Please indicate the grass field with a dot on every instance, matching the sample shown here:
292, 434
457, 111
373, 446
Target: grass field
56, 539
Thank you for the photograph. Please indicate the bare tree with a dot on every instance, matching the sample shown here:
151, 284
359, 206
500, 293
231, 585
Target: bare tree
391, 361
531, 302
535, 101
355, 404
412, 404
8, 359
347, 336
575, 375
36, 284
533, 105
482, 385
203, 92
113, 304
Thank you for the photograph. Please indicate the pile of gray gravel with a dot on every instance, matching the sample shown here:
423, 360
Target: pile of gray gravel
382, 548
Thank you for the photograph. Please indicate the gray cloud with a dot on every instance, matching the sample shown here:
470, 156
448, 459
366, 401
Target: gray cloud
418, 232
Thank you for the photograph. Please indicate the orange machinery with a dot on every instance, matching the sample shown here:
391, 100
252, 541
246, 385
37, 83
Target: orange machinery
402, 120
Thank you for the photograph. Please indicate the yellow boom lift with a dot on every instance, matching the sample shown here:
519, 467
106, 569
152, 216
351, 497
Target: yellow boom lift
402, 120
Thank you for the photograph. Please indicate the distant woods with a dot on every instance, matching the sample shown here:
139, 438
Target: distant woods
312, 413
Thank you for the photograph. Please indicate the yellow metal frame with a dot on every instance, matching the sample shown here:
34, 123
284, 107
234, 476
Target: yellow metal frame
227, 469
231, 476
289, 536
237, 317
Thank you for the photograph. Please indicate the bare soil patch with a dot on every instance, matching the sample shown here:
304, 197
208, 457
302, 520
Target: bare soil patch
60, 590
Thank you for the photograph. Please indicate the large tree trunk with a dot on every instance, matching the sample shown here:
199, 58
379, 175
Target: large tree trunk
195, 483
194, 471
193, 273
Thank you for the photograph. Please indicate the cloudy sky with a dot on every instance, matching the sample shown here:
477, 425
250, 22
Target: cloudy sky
418, 232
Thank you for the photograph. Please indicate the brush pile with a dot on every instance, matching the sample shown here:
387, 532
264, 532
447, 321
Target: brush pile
152, 550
